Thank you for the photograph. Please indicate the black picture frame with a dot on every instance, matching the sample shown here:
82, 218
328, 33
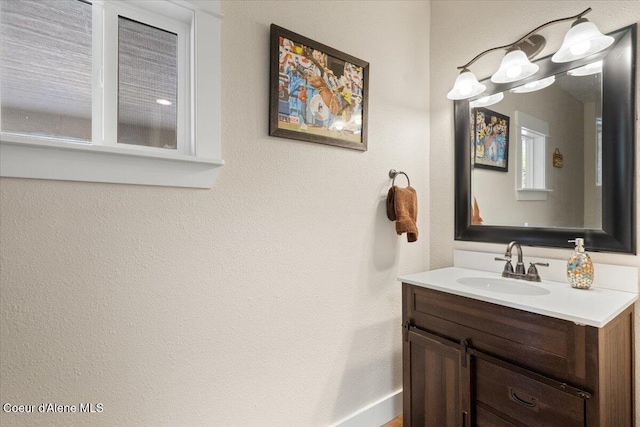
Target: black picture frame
317, 93
618, 233
491, 140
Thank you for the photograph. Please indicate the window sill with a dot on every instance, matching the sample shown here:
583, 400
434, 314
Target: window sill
532, 193
24, 157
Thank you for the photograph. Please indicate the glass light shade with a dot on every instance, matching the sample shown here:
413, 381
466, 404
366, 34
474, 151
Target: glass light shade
533, 86
514, 66
581, 40
487, 100
466, 86
587, 70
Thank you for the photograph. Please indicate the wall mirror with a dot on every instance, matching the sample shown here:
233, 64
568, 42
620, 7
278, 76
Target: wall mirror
552, 157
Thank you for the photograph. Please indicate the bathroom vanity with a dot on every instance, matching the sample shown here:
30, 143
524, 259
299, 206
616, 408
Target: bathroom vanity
480, 350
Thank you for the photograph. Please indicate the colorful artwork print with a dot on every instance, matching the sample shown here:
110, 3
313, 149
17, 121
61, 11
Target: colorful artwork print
491, 140
320, 97
318, 94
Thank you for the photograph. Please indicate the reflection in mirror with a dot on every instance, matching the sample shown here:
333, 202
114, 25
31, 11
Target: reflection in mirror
508, 164
558, 115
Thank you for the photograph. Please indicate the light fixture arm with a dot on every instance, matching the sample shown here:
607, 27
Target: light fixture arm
521, 39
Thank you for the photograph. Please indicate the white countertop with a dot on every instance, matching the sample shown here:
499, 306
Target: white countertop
593, 307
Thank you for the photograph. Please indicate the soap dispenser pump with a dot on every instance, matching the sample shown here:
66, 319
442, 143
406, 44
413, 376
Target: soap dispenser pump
580, 267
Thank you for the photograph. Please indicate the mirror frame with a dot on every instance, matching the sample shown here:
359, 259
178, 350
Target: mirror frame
618, 233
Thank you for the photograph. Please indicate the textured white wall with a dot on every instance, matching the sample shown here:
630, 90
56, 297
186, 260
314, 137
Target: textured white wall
459, 31
268, 300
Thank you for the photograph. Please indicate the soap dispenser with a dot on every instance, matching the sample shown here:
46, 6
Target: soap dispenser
580, 267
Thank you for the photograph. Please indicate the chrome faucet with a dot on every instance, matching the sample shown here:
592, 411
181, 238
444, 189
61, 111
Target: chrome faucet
531, 275
507, 254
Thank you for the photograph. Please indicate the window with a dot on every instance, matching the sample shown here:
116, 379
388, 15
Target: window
598, 151
532, 157
105, 91
147, 85
45, 73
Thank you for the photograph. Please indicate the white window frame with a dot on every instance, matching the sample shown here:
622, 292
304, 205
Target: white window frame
535, 151
111, 11
598, 151
538, 132
196, 162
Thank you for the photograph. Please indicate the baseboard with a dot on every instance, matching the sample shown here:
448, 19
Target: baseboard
376, 414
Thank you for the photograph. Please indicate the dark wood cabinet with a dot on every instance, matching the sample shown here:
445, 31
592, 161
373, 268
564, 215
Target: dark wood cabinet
472, 363
438, 376
521, 397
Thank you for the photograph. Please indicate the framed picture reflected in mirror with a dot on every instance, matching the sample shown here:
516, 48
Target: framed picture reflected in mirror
491, 142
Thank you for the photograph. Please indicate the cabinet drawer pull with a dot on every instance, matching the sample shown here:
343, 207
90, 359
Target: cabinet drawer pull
532, 402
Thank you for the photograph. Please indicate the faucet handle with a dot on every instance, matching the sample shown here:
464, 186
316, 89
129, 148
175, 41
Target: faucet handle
508, 268
541, 264
533, 269
532, 273
532, 265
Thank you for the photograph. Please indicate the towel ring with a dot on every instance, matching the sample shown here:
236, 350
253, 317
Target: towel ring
394, 173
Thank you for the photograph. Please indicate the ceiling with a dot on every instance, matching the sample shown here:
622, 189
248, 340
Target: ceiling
583, 88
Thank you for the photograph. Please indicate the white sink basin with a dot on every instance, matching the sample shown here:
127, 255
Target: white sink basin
502, 286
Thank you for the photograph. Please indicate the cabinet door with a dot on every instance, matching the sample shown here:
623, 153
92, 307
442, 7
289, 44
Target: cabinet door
436, 382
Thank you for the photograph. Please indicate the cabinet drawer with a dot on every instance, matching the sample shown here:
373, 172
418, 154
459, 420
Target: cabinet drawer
524, 399
485, 418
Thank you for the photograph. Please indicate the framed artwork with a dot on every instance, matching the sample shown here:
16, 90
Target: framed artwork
317, 93
491, 140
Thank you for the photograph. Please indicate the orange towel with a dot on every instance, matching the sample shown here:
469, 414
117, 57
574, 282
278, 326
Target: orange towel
405, 211
391, 207
476, 219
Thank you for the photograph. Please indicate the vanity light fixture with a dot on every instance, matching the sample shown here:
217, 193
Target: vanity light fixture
514, 66
466, 86
587, 70
487, 100
533, 86
582, 40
